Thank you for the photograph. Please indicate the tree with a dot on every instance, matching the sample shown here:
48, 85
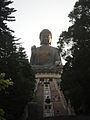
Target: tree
75, 78
5, 15
15, 65
7, 42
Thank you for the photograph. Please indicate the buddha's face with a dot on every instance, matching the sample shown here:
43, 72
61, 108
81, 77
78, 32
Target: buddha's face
45, 37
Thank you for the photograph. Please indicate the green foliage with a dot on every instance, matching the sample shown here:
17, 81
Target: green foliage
76, 74
4, 83
2, 114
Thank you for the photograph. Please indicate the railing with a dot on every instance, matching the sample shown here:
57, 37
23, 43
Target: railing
47, 75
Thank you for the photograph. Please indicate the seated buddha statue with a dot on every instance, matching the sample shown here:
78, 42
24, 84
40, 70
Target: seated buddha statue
45, 56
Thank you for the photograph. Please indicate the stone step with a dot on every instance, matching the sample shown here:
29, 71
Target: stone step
62, 118
68, 118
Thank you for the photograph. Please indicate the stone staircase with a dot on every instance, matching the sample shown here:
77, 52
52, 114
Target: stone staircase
39, 100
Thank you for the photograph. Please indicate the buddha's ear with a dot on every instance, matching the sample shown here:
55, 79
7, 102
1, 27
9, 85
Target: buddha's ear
50, 39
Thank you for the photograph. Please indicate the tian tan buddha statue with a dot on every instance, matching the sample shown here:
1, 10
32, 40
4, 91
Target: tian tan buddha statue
45, 57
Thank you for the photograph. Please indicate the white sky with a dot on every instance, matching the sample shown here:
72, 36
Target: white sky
32, 16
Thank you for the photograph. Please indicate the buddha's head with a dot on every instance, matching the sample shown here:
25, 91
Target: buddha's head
45, 37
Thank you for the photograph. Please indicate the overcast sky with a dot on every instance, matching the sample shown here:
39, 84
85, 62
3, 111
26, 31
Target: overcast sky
32, 16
